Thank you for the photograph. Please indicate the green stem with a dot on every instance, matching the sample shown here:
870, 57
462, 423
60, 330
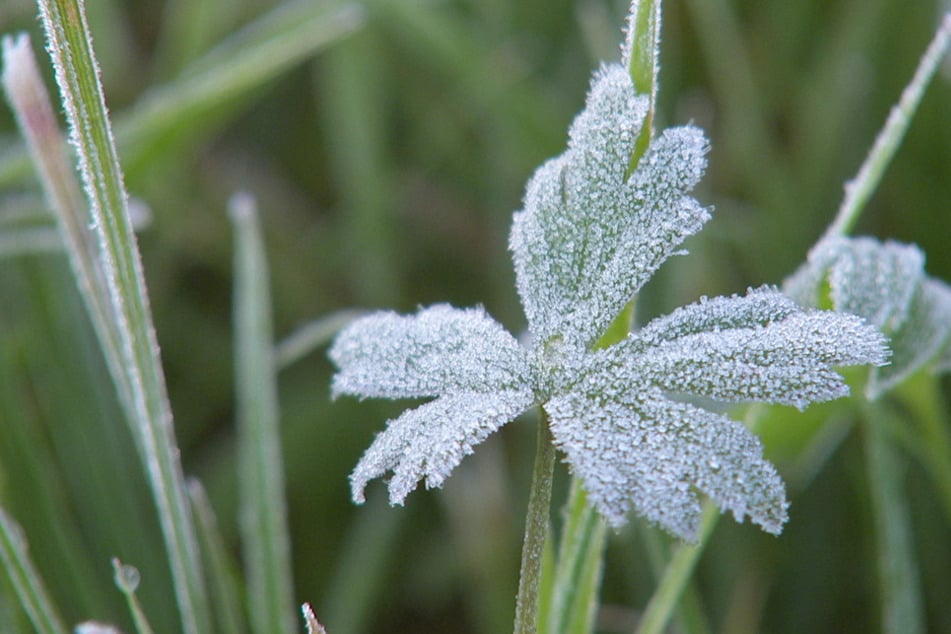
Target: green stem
537, 526
860, 189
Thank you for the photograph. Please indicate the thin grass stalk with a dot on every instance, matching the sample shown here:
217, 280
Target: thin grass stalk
263, 50
261, 471
311, 336
578, 576
223, 580
35, 116
76, 71
900, 594
127, 580
860, 189
26, 581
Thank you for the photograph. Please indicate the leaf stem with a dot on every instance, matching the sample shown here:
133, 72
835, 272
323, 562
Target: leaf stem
537, 528
860, 189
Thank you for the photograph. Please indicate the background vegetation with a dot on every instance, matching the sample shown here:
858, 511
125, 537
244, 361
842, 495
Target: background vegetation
387, 162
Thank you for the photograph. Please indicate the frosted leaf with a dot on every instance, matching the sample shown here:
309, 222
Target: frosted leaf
638, 449
886, 284
920, 338
588, 238
758, 307
429, 441
743, 355
439, 349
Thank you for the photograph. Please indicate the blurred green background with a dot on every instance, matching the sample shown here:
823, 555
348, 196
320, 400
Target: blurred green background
387, 165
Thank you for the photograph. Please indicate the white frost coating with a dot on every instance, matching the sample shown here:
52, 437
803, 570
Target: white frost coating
923, 336
885, 283
429, 441
439, 349
774, 355
637, 449
586, 241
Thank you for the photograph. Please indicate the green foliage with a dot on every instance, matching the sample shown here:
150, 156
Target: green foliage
460, 101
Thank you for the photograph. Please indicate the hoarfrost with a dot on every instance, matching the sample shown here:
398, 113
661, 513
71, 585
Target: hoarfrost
589, 236
885, 283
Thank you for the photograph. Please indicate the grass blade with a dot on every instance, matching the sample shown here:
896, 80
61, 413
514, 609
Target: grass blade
76, 71
25, 580
223, 578
901, 597
312, 335
578, 575
860, 188
263, 505
31, 104
262, 51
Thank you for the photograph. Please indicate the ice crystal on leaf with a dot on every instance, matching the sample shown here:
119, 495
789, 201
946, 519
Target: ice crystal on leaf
589, 236
885, 283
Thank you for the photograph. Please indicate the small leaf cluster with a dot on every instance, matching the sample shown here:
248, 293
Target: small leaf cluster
633, 420
886, 284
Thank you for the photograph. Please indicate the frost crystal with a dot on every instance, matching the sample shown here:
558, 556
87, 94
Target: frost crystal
885, 283
589, 236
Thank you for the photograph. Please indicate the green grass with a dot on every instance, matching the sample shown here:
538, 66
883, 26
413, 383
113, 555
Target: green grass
386, 148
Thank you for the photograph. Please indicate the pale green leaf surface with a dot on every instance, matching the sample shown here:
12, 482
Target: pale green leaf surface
777, 360
919, 338
884, 283
587, 238
439, 349
429, 441
586, 241
634, 448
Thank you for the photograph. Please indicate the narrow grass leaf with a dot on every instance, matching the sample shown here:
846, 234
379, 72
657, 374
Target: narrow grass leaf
76, 72
48, 149
26, 581
860, 189
358, 582
223, 579
311, 336
262, 51
642, 58
263, 519
901, 595
574, 601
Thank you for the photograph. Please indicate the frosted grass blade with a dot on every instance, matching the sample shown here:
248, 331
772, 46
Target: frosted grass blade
76, 72
900, 590
263, 521
860, 189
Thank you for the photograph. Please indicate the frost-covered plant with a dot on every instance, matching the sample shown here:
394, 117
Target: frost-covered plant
885, 283
590, 235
